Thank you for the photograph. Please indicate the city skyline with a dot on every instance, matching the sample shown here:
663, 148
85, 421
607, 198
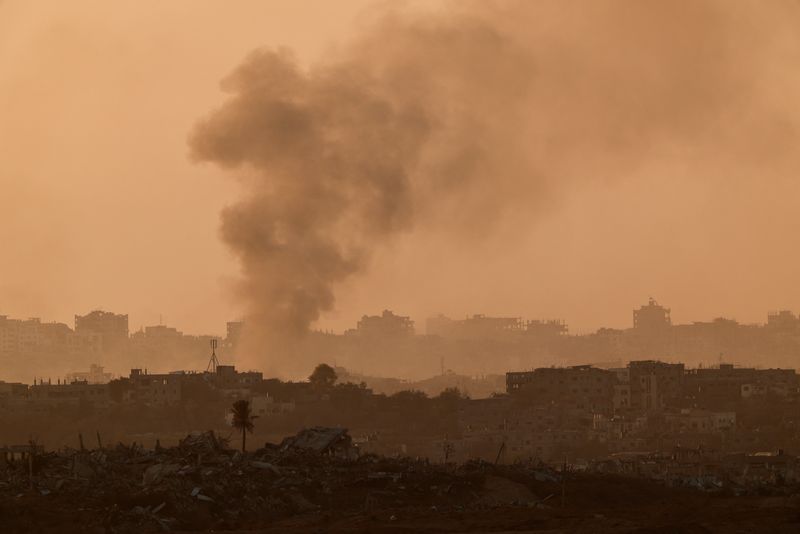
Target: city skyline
96, 198
399, 265
221, 330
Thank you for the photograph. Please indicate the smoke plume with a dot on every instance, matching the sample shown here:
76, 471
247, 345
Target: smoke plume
462, 118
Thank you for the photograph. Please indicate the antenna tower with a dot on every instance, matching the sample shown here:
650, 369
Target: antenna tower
213, 362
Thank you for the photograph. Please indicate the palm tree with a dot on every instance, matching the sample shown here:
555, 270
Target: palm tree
242, 419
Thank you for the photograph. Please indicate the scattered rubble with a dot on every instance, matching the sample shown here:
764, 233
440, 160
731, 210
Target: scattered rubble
312, 478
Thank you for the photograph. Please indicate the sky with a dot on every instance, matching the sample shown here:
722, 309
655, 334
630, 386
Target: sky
102, 206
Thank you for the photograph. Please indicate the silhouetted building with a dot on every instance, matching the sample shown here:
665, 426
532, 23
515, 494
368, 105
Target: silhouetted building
157, 389
546, 329
227, 377
13, 389
654, 384
111, 326
783, 321
95, 375
474, 327
699, 421
651, 317
17, 335
726, 384
74, 393
580, 388
385, 325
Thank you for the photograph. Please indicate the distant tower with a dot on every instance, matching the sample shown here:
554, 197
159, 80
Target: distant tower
213, 362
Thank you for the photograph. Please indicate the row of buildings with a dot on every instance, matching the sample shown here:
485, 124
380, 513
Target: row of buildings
645, 405
474, 345
97, 332
96, 390
583, 411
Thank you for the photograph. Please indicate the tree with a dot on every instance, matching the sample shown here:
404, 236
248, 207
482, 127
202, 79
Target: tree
323, 377
242, 419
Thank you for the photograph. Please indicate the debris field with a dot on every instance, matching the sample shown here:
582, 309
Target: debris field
315, 482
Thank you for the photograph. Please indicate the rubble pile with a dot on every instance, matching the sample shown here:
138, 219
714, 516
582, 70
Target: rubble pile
203, 485
315, 480
762, 473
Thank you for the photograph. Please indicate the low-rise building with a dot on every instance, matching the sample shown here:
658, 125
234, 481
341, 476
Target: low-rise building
156, 389
700, 421
581, 388
73, 393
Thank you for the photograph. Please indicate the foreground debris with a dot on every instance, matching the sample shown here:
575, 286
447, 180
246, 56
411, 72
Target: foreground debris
313, 480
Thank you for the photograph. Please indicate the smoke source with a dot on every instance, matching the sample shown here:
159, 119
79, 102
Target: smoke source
461, 118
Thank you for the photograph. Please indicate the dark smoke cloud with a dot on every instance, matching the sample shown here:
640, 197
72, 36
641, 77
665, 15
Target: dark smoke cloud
332, 157
460, 119
341, 157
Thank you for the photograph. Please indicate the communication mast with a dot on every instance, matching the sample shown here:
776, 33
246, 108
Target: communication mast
213, 362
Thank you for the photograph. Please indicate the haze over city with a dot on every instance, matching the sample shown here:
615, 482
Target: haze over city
663, 169
399, 266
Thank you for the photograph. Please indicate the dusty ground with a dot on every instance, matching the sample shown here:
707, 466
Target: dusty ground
594, 505
202, 486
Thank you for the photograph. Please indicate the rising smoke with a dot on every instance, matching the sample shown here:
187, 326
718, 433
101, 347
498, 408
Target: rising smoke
458, 119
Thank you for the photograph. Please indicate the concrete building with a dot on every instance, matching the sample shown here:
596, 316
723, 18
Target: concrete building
474, 327
13, 389
227, 377
266, 406
112, 327
95, 375
651, 317
699, 421
501, 429
580, 388
726, 383
385, 325
157, 389
783, 321
654, 384
18, 335
69, 394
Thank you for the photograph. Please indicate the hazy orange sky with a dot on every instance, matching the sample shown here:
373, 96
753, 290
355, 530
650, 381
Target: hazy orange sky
103, 209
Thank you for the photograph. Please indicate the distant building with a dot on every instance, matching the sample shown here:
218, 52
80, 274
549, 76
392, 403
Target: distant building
75, 393
385, 325
500, 429
579, 388
167, 389
17, 335
546, 329
157, 389
227, 377
725, 384
266, 406
162, 332
700, 421
783, 321
655, 384
12, 389
112, 327
652, 317
474, 327
95, 375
